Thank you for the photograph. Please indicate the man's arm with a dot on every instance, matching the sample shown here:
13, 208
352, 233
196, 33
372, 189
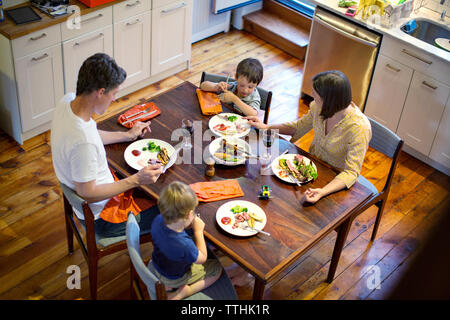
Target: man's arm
93, 192
138, 130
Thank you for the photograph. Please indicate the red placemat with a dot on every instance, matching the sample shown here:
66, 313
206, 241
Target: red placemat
133, 112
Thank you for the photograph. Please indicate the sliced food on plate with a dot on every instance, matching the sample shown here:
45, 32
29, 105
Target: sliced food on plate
296, 166
229, 124
148, 151
229, 151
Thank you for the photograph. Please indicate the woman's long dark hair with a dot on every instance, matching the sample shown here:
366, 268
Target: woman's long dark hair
335, 91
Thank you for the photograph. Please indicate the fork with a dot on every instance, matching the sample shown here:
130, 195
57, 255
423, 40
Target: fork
136, 113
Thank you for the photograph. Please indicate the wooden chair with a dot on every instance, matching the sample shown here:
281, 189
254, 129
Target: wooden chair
266, 96
388, 143
95, 246
222, 289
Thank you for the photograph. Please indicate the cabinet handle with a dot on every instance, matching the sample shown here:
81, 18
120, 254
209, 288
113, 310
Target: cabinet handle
133, 4
416, 56
429, 85
86, 40
175, 8
393, 68
132, 23
89, 19
40, 37
40, 58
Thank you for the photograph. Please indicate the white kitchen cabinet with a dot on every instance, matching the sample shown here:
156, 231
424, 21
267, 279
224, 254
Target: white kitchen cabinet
422, 112
440, 151
171, 34
39, 79
388, 92
132, 47
77, 50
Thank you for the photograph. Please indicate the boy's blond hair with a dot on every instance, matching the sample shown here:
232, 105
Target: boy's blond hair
175, 202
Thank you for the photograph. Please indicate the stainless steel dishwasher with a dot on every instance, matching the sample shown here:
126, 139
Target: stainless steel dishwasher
338, 44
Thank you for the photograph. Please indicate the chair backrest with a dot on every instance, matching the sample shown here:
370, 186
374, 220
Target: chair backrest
133, 236
74, 199
266, 96
388, 143
384, 140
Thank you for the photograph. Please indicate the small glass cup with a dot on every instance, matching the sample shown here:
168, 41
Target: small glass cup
268, 136
188, 129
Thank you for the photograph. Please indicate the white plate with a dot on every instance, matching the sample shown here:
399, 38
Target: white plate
216, 144
276, 167
216, 120
225, 211
139, 162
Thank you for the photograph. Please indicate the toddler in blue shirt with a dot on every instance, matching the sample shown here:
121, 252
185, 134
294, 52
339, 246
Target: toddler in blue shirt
179, 261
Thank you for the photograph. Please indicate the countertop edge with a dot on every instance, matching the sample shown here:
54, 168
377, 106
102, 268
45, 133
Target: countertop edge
395, 32
46, 20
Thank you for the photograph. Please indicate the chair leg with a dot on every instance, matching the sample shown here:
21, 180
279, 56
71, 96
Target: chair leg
69, 232
343, 230
378, 219
93, 269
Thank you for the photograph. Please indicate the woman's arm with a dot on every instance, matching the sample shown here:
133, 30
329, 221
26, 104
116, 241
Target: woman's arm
314, 195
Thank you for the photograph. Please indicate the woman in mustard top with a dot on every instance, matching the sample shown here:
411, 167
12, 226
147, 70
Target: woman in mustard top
341, 131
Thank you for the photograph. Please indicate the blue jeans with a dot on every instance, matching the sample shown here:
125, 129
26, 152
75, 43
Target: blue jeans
108, 230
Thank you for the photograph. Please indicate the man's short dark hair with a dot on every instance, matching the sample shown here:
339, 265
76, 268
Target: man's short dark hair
250, 68
335, 90
99, 71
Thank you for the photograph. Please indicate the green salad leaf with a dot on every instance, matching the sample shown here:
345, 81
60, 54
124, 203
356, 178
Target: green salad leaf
153, 147
232, 118
238, 209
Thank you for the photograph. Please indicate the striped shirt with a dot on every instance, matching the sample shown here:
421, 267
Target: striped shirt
344, 147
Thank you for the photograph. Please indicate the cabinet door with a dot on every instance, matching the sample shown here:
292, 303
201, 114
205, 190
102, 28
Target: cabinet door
388, 92
171, 35
422, 112
440, 151
40, 86
132, 47
77, 50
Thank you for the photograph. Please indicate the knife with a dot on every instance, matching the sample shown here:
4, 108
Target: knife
141, 116
257, 230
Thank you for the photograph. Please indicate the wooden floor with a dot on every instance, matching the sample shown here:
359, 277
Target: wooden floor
33, 248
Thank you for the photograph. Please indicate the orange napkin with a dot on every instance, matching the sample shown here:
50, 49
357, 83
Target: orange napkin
140, 107
210, 191
209, 102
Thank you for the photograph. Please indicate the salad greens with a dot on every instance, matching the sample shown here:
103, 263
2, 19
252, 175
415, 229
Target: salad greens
232, 118
238, 209
152, 147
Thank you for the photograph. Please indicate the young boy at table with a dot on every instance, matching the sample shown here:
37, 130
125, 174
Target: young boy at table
242, 93
179, 261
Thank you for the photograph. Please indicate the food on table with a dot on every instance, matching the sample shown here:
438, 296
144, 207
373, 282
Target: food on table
152, 147
226, 220
163, 156
231, 125
226, 157
221, 127
239, 209
135, 153
300, 168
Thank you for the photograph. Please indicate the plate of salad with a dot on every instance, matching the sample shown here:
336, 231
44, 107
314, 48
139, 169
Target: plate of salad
139, 153
237, 216
229, 124
294, 167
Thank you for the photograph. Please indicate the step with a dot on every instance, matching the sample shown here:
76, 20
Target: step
283, 34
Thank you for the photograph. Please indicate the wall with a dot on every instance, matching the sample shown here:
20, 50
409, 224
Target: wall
436, 6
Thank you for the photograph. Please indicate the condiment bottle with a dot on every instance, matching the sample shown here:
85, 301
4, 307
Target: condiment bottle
210, 171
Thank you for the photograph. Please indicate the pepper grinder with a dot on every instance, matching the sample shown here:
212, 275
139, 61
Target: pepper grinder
210, 171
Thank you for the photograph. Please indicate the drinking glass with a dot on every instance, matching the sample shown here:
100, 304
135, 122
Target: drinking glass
188, 127
268, 136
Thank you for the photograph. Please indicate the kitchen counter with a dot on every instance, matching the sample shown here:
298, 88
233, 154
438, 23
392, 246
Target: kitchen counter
395, 32
12, 31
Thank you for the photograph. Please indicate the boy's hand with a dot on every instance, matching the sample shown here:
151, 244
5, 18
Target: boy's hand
228, 97
222, 87
198, 225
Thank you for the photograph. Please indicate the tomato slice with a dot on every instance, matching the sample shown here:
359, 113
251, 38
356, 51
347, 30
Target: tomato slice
226, 220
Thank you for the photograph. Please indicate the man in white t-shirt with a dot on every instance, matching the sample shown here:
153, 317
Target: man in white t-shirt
78, 152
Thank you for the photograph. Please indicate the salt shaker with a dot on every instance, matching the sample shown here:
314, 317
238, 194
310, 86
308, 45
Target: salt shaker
210, 171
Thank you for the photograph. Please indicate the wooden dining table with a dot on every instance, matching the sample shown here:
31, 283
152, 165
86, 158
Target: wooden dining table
294, 225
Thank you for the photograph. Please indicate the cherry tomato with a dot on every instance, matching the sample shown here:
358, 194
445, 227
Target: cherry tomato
226, 220
136, 153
